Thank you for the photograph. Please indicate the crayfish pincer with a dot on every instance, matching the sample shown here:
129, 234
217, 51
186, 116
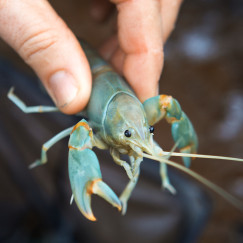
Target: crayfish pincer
84, 171
118, 121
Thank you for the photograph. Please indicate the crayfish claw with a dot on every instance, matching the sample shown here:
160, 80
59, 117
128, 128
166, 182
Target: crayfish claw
97, 186
84, 204
124, 205
188, 149
103, 190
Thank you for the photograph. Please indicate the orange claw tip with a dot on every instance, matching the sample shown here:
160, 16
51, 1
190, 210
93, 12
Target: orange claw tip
119, 208
91, 217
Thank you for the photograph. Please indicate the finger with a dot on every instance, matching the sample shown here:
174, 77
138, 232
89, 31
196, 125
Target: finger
169, 13
118, 59
111, 52
43, 40
100, 9
140, 38
108, 48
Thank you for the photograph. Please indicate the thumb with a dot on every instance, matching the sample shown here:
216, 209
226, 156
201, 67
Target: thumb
44, 41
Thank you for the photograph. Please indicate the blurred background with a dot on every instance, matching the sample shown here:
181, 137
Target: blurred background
203, 70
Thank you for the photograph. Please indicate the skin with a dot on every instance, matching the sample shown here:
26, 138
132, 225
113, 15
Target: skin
48, 46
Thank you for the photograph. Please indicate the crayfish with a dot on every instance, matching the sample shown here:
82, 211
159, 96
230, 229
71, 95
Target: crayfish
118, 121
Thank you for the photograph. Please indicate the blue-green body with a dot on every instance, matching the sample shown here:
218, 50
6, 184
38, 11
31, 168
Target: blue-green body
103, 92
106, 84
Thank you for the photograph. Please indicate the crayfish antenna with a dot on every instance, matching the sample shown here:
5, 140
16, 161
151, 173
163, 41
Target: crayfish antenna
201, 156
234, 201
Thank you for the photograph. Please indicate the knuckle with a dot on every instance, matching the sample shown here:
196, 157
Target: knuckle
36, 43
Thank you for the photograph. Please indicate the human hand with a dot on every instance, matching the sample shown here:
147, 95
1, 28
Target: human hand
45, 43
136, 51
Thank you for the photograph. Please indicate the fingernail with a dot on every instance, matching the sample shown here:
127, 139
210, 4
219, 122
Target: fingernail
63, 88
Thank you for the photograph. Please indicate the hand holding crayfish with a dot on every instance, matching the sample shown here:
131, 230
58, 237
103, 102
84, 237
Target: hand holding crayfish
119, 122
44, 41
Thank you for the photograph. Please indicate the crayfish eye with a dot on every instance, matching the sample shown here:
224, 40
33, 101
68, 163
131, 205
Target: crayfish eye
128, 133
151, 129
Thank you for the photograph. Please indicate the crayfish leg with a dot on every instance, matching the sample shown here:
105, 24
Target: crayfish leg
116, 156
46, 146
124, 197
29, 109
165, 179
163, 169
